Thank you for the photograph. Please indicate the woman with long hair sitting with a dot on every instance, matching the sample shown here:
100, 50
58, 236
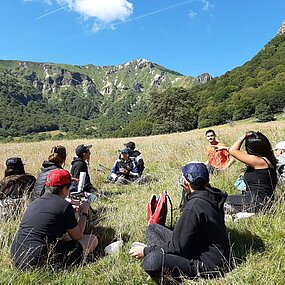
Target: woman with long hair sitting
260, 176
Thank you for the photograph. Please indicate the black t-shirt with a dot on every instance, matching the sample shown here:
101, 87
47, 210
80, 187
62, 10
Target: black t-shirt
45, 220
261, 183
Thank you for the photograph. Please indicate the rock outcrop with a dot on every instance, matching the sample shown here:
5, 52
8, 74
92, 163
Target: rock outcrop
203, 78
281, 30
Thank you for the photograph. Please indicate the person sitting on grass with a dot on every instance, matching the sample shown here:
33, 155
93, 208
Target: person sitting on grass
135, 155
218, 159
80, 164
56, 160
198, 245
260, 176
49, 234
124, 170
15, 187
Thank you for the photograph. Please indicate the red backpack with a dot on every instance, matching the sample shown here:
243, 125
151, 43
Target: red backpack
157, 209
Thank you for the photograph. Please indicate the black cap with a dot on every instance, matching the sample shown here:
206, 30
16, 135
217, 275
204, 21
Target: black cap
130, 145
82, 148
15, 162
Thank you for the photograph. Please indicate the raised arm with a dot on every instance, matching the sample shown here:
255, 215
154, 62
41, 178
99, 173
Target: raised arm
249, 159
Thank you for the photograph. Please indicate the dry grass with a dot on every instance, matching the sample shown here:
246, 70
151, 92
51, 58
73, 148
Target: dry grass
258, 243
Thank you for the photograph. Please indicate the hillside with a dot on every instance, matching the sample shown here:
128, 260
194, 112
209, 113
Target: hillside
255, 89
81, 94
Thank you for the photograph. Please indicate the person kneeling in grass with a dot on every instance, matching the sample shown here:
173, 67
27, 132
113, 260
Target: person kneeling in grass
49, 233
198, 245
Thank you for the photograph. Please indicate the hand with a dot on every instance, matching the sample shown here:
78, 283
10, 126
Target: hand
137, 252
84, 207
248, 133
218, 148
123, 170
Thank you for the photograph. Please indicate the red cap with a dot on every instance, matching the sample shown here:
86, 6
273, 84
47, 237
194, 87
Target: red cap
59, 177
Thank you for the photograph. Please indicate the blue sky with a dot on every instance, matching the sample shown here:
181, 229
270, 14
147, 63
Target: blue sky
190, 37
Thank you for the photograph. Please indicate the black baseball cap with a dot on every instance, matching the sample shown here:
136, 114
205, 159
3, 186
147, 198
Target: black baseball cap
82, 148
130, 145
15, 162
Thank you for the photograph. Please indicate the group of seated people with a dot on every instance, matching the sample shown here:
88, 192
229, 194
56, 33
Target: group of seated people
198, 245
263, 169
128, 167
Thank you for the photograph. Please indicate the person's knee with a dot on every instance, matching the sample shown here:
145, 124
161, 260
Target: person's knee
152, 228
152, 263
89, 243
93, 242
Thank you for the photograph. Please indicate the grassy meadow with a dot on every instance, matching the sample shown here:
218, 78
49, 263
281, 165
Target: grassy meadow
258, 243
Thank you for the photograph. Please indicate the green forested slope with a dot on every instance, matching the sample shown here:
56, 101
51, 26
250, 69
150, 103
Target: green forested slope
255, 89
137, 98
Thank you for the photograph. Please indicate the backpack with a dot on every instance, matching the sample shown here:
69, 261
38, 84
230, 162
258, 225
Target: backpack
157, 209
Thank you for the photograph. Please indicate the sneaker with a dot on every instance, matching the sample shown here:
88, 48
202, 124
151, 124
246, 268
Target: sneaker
242, 215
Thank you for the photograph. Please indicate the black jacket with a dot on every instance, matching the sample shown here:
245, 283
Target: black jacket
200, 233
79, 165
16, 186
39, 187
135, 156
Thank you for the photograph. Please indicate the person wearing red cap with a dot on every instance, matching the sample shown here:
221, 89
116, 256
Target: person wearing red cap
49, 233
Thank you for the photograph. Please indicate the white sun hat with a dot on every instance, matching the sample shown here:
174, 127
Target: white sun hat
280, 145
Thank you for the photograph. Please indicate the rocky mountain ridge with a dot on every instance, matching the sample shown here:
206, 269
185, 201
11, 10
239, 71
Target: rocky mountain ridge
281, 30
136, 76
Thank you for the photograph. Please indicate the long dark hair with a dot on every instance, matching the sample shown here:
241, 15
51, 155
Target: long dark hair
258, 144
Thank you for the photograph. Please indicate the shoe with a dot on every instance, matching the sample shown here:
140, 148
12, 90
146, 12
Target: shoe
242, 215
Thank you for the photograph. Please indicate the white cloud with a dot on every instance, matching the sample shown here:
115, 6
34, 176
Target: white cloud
105, 11
207, 5
192, 14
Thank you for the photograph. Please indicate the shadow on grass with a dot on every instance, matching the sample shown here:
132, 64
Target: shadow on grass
106, 235
242, 243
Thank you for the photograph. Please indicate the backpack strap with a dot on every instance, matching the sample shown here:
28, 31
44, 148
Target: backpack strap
157, 209
171, 208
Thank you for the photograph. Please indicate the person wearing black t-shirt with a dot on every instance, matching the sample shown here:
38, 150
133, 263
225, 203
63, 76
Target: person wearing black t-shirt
49, 233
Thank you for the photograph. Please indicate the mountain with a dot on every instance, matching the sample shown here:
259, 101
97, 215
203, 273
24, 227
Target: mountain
136, 76
96, 100
137, 98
